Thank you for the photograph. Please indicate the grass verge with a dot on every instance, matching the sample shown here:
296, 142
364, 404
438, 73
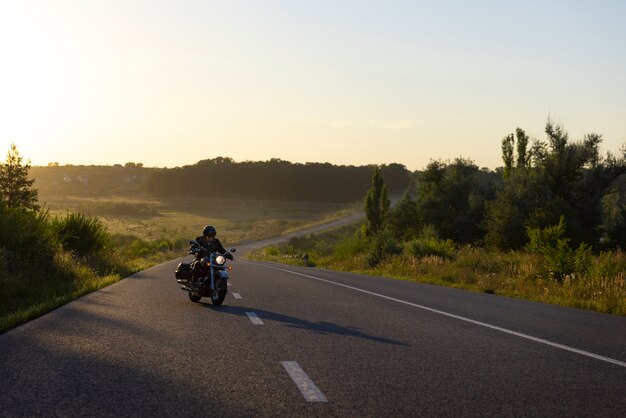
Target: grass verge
601, 287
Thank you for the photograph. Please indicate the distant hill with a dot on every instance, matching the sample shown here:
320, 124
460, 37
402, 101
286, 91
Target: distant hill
220, 177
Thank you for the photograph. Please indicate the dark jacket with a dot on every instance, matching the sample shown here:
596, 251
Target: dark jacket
211, 245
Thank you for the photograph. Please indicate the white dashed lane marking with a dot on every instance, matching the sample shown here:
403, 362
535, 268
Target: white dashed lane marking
236, 295
254, 318
304, 383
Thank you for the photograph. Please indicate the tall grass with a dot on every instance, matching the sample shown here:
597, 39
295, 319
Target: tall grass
46, 261
599, 286
82, 234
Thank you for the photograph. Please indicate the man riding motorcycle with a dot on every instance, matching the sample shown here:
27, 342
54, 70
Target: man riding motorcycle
211, 243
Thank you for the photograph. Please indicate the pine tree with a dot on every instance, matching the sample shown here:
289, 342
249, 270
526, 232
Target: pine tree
15, 187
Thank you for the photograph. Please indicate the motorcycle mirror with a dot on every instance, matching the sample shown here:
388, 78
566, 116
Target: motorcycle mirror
232, 250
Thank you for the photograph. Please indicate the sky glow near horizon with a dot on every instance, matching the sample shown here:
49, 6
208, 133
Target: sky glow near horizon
170, 82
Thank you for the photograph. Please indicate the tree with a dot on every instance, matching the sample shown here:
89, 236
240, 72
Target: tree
507, 154
15, 187
522, 153
452, 199
403, 219
376, 204
555, 178
523, 156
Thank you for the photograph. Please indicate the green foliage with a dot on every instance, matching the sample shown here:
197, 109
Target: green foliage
381, 245
598, 282
376, 205
507, 154
508, 157
85, 235
428, 243
24, 233
273, 251
403, 219
349, 247
132, 246
508, 215
555, 178
46, 262
561, 259
15, 188
452, 197
614, 215
523, 156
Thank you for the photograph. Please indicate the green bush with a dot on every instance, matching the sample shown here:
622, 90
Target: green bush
560, 259
84, 235
24, 233
273, 251
428, 243
382, 244
20, 229
131, 246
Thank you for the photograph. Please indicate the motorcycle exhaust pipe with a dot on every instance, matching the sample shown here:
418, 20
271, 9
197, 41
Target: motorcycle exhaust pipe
188, 289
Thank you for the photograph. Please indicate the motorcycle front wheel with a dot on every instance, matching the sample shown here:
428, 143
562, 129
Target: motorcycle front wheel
221, 293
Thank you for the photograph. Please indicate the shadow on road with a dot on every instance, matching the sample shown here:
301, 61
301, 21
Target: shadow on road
92, 366
321, 327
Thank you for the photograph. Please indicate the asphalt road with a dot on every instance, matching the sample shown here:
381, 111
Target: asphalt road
297, 342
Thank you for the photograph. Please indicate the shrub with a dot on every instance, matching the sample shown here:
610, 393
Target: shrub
382, 243
560, 258
428, 243
273, 251
84, 235
23, 233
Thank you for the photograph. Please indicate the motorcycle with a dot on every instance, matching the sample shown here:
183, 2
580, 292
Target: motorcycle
213, 278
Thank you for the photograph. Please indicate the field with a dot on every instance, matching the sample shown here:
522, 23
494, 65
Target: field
237, 221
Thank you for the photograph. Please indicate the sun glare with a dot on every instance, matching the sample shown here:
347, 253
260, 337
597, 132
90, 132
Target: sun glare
34, 78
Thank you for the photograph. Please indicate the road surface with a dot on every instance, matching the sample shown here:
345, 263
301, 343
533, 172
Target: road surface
292, 341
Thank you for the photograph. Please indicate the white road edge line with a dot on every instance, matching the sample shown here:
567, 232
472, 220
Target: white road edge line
461, 318
236, 295
304, 383
254, 318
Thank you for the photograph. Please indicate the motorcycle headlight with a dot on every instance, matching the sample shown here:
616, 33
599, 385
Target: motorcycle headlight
219, 260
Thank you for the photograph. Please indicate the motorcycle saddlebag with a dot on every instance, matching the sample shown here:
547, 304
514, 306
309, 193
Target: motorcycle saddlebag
183, 271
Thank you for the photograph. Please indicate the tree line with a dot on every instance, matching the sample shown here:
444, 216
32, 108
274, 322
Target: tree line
273, 180
556, 185
91, 180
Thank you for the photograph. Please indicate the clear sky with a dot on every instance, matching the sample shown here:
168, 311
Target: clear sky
171, 82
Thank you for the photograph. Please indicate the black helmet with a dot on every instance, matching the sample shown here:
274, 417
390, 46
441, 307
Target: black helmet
209, 231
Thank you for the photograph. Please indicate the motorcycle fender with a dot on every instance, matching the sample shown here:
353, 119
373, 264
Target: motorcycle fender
223, 275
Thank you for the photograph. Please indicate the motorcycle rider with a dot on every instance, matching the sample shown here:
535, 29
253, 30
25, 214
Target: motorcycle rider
211, 243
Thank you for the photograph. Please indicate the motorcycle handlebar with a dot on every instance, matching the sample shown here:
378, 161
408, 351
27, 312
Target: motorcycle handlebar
196, 248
